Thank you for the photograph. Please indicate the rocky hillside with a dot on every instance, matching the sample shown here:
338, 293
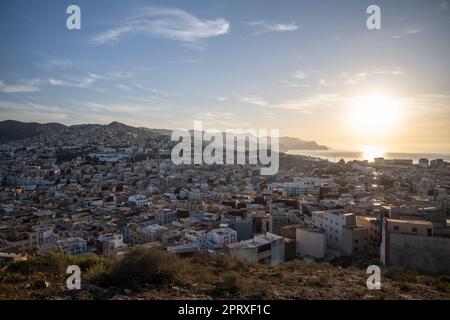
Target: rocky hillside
152, 274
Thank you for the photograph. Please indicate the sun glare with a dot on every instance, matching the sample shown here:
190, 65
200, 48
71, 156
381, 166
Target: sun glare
372, 152
373, 115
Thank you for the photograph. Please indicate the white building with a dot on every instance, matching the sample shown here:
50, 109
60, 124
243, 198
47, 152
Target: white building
139, 201
73, 245
310, 185
109, 243
253, 250
276, 244
135, 234
334, 221
165, 216
218, 238
196, 236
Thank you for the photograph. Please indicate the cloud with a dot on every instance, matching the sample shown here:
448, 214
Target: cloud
413, 31
28, 111
189, 61
325, 83
124, 87
352, 79
22, 87
294, 84
130, 109
215, 116
299, 74
157, 91
254, 100
78, 82
54, 63
174, 24
408, 32
393, 72
309, 104
277, 27
221, 99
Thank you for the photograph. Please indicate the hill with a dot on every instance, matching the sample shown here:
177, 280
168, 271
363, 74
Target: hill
154, 274
11, 130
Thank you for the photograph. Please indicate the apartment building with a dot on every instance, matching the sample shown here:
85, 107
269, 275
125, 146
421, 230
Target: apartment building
218, 238
334, 221
73, 245
109, 243
135, 234
165, 217
412, 244
311, 242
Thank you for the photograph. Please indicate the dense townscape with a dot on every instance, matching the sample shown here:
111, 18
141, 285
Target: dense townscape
104, 189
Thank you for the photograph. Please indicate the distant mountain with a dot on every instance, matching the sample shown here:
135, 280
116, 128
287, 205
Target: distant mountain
289, 143
14, 130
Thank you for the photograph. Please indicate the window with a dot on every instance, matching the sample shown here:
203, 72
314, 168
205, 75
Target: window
396, 228
414, 229
356, 240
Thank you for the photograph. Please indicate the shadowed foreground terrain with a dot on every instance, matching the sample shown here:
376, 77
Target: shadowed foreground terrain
152, 274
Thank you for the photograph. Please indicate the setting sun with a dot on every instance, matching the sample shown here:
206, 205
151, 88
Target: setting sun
372, 152
373, 115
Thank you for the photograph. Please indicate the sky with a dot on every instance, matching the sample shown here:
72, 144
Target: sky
309, 68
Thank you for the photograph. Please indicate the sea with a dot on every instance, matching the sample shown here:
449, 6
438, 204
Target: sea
336, 155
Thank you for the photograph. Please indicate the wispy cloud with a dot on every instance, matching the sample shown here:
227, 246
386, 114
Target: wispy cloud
291, 84
166, 23
221, 99
126, 108
407, 32
253, 100
413, 30
352, 79
21, 87
189, 61
78, 82
124, 87
215, 116
29, 111
324, 83
393, 72
54, 63
273, 27
299, 75
88, 80
308, 104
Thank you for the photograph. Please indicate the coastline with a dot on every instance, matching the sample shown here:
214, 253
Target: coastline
337, 155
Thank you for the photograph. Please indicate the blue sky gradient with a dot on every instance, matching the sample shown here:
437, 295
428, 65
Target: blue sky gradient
293, 65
